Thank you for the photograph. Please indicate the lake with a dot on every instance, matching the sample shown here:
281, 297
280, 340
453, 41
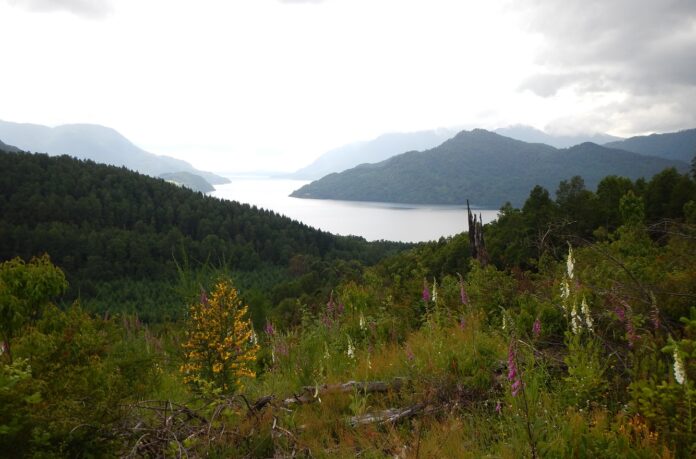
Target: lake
371, 220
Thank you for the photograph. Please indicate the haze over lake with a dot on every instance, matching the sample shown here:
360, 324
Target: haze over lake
371, 220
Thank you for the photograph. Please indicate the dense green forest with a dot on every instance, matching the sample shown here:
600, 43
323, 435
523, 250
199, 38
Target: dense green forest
574, 336
122, 238
483, 167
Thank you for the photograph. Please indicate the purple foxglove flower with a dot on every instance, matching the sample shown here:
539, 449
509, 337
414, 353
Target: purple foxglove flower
498, 407
426, 292
270, 331
515, 388
536, 328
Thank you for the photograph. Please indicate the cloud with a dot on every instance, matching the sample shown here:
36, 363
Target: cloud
644, 49
637, 44
85, 8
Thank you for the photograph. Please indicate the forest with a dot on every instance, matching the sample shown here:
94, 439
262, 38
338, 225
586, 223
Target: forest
140, 319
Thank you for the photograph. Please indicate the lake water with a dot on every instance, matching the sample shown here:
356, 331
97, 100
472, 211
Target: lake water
373, 221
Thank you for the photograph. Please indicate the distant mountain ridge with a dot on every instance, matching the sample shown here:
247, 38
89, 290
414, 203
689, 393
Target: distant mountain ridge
533, 135
484, 167
679, 145
373, 151
189, 180
8, 148
98, 143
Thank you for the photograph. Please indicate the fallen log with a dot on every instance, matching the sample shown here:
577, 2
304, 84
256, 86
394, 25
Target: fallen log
309, 394
391, 415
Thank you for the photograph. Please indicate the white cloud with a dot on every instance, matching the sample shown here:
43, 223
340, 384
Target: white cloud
87, 8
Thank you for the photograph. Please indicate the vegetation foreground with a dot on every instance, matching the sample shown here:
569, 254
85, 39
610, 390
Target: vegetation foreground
570, 333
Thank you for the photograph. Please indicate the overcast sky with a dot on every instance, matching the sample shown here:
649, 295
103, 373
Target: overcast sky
234, 85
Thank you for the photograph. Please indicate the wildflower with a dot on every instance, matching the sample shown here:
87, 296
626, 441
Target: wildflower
426, 292
434, 291
536, 328
327, 355
350, 352
462, 323
679, 374
565, 290
498, 407
362, 322
504, 322
270, 331
513, 373
586, 312
570, 263
253, 340
575, 322
512, 365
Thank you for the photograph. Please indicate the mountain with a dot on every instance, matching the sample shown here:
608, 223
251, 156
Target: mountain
679, 146
189, 180
533, 135
98, 143
8, 148
486, 168
373, 151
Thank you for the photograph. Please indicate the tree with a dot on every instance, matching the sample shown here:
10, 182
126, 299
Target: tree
220, 346
25, 290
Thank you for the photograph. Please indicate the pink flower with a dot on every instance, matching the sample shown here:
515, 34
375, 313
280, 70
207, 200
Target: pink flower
426, 292
513, 373
515, 388
536, 328
270, 331
462, 323
498, 407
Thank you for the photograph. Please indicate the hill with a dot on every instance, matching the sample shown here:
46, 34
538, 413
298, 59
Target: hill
124, 236
373, 151
483, 167
189, 180
98, 143
680, 146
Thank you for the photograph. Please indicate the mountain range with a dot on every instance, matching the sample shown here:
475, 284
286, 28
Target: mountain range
484, 167
97, 143
387, 145
674, 145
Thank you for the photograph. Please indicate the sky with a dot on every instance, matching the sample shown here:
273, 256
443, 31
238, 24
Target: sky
245, 85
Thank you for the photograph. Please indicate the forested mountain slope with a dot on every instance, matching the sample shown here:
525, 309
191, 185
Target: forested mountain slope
673, 145
485, 168
109, 226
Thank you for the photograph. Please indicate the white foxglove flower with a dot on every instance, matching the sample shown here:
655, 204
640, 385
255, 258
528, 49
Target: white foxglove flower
362, 322
679, 374
327, 356
586, 312
575, 320
351, 350
434, 291
565, 289
504, 322
570, 264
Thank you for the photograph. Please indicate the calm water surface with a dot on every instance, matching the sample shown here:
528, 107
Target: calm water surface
373, 221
